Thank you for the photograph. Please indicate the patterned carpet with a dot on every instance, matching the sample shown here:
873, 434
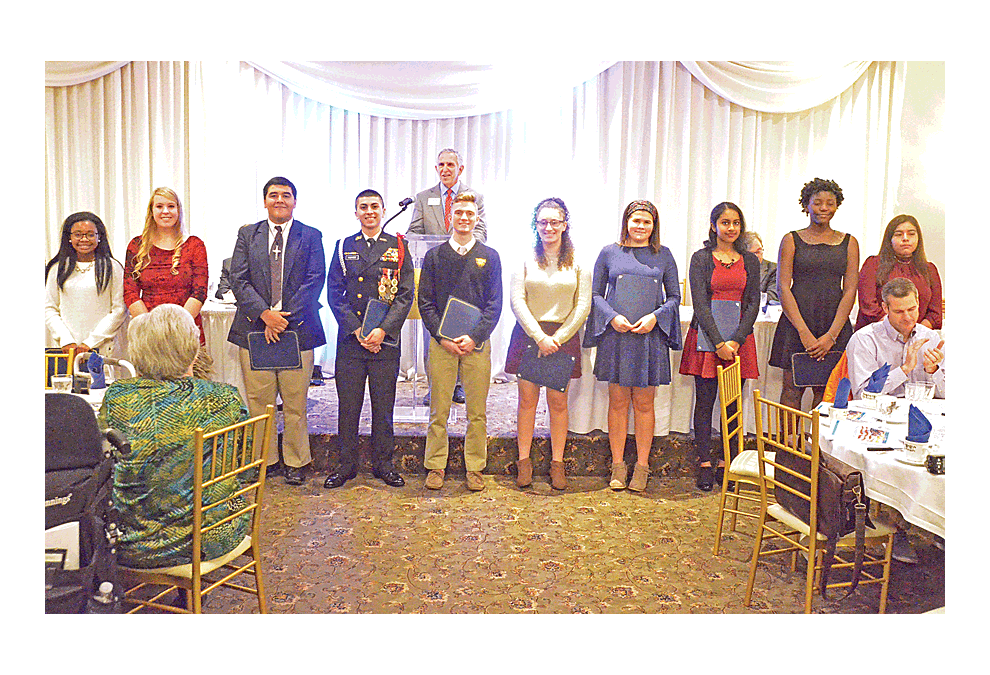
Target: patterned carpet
367, 548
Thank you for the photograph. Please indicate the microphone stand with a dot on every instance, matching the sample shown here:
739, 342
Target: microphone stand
405, 205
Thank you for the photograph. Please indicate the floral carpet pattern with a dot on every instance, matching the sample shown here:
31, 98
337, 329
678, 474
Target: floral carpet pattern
368, 548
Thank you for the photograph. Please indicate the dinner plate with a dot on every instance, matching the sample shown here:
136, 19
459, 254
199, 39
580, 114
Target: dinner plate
904, 460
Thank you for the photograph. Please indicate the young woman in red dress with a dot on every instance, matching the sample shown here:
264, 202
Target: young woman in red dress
164, 265
723, 269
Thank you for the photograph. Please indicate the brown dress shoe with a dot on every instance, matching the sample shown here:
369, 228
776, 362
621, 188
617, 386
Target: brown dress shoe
434, 479
474, 481
557, 478
524, 472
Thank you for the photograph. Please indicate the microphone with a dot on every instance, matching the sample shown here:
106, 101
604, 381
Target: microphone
404, 204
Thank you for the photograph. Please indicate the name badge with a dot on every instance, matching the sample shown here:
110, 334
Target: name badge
351, 256
433, 201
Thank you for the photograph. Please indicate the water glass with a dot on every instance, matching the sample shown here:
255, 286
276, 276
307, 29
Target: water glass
918, 391
62, 383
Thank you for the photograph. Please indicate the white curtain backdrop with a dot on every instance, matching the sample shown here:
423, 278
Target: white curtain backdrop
685, 135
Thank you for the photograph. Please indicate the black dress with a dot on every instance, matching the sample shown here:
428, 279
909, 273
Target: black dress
816, 283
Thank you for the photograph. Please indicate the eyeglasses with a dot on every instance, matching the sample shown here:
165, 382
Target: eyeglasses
550, 223
84, 235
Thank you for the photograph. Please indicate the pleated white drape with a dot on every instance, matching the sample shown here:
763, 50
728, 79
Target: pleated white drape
216, 131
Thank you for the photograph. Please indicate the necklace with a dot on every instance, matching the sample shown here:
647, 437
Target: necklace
84, 267
726, 264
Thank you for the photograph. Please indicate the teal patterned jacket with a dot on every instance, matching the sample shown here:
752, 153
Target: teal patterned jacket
153, 484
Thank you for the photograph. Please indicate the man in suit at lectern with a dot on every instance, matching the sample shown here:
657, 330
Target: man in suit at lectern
432, 215
277, 273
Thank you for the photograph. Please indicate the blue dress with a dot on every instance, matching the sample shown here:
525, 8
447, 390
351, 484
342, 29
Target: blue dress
628, 359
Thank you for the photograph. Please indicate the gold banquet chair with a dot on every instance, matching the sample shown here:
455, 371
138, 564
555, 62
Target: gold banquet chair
239, 450
743, 468
795, 432
57, 362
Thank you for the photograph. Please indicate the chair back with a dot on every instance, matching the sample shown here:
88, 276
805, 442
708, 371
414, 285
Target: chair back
240, 452
57, 362
72, 436
788, 432
730, 401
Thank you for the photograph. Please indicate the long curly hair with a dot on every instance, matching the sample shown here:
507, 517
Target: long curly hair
565, 258
887, 258
812, 187
66, 256
143, 255
641, 205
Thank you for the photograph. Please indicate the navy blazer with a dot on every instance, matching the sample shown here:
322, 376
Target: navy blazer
303, 276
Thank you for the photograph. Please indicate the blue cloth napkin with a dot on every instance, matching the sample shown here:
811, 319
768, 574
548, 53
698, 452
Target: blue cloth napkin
95, 367
919, 428
878, 379
842, 394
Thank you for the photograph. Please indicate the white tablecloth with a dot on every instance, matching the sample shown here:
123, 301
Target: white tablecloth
918, 495
217, 317
674, 403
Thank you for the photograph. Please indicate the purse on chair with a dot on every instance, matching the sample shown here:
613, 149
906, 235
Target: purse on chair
842, 506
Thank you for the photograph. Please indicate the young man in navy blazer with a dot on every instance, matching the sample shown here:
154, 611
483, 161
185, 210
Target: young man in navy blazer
368, 265
301, 264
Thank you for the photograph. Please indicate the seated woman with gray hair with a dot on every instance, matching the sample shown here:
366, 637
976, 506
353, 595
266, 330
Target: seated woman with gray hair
158, 412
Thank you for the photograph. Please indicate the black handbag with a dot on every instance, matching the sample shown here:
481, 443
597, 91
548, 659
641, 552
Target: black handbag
842, 506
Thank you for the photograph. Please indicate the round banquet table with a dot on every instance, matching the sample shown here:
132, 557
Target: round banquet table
217, 318
918, 495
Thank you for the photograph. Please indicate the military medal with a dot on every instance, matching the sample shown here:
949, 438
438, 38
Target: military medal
388, 285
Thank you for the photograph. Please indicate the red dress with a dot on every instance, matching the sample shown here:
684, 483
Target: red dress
156, 285
727, 284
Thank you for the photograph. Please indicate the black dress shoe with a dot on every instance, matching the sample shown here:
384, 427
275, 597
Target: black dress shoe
705, 478
458, 396
339, 477
275, 469
390, 477
719, 475
295, 475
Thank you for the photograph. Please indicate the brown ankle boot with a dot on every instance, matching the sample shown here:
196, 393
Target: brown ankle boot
557, 478
524, 476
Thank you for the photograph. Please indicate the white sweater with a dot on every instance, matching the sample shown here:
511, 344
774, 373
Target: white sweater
77, 313
551, 294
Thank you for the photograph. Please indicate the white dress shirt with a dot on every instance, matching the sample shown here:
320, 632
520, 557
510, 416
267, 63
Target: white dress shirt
277, 307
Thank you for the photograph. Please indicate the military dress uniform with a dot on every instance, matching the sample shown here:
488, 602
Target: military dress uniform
360, 271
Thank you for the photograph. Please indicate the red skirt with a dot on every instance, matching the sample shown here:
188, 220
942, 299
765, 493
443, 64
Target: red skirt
519, 340
694, 362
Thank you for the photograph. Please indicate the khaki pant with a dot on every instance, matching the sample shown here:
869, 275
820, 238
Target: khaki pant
292, 385
476, 376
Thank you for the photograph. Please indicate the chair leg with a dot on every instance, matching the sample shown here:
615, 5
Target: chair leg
735, 507
721, 517
885, 585
810, 576
758, 544
259, 584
